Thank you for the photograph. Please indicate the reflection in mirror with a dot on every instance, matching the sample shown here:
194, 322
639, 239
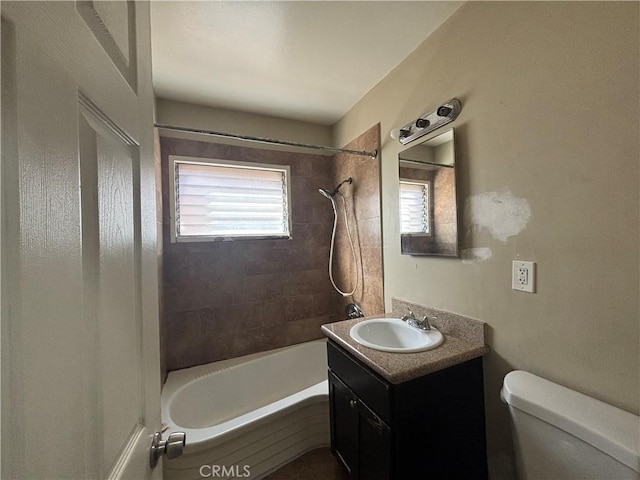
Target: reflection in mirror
428, 209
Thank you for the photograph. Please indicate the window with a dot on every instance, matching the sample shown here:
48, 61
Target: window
221, 199
414, 207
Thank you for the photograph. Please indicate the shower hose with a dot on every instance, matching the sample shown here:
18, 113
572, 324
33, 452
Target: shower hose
333, 238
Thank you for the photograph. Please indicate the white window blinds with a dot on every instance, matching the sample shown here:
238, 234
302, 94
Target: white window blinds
220, 200
414, 207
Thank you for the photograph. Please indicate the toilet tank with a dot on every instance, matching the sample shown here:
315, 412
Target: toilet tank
562, 434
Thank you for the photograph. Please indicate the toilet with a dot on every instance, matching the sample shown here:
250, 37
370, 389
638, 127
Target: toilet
562, 434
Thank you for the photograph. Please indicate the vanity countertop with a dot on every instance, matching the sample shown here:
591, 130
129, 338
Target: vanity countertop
464, 339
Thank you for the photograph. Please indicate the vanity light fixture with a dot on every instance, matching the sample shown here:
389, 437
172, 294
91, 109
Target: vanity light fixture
445, 113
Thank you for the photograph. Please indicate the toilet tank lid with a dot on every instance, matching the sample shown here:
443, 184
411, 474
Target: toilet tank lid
608, 428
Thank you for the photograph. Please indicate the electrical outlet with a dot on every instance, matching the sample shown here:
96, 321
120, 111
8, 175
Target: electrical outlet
523, 276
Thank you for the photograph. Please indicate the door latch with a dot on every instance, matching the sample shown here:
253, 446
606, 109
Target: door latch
172, 447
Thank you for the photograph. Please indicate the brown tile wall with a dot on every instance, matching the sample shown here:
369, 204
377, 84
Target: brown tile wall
444, 214
363, 207
415, 174
227, 299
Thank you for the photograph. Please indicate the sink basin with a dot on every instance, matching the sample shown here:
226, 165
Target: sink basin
393, 335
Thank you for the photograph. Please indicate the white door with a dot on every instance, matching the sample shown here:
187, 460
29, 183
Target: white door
80, 362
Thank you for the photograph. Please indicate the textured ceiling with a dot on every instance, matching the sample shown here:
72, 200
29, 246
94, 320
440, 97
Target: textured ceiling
310, 60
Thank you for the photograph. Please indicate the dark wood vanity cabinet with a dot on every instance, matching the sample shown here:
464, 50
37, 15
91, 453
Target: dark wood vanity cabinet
428, 428
360, 439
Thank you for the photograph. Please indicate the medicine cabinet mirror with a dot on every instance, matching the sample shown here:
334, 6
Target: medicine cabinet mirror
428, 208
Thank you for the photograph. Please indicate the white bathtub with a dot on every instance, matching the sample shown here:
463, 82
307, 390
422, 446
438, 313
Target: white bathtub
248, 414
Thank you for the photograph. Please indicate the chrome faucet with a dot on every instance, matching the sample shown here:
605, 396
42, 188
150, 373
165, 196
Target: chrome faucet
412, 321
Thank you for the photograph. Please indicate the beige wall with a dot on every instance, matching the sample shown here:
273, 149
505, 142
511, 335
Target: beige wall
240, 123
550, 126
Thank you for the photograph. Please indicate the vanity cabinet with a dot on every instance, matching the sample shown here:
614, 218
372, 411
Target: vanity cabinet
362, 441
428, 428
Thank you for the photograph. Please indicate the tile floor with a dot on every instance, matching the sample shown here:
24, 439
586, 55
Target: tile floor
318, 464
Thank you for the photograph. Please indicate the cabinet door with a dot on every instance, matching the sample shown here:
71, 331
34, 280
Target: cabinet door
344, 424
358, 436
374, 446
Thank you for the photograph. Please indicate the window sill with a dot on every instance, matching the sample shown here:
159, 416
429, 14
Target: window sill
229, 239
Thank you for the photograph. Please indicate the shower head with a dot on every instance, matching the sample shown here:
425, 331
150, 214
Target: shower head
326, 193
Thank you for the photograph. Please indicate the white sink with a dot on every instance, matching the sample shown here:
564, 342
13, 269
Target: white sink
394, 335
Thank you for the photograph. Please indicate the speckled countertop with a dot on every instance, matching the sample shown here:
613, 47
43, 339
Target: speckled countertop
464, 339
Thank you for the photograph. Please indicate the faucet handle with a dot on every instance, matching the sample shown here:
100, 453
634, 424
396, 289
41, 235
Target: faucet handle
410, 317
425, 322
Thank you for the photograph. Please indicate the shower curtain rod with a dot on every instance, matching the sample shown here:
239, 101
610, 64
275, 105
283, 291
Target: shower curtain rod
373, 154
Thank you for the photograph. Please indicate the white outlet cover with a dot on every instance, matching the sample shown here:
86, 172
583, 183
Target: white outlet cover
523, 276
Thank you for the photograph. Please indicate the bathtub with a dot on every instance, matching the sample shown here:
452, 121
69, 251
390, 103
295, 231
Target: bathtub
246, 417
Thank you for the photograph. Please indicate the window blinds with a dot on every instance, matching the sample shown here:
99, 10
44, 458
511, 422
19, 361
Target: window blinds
227, 201
414, 207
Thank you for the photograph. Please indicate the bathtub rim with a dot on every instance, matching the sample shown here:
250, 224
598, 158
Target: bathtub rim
205, 437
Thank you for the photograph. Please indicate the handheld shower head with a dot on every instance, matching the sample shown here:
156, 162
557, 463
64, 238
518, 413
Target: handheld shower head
331, 196
326, 193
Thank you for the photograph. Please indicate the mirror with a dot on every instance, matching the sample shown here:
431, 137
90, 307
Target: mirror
428, 208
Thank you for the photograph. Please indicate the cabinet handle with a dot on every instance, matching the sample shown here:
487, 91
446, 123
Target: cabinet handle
353, 403
375, 422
